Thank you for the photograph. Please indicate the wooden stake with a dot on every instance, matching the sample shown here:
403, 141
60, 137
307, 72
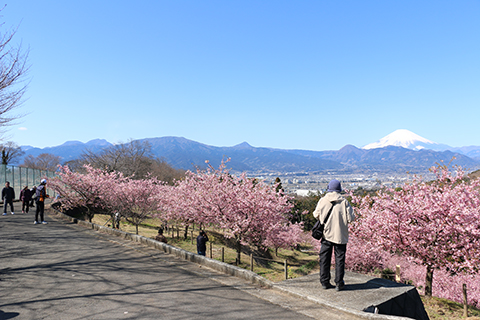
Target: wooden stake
251, 261
223, 254
398, 278
286, 269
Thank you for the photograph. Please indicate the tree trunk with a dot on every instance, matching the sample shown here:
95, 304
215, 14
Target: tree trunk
239, 251
186, 232
89, 215
429, 281
136, 229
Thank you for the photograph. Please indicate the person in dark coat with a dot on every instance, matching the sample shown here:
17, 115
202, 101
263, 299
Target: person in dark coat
160, 237
26, 197
40, 196
8, 194
33, 191
202, 243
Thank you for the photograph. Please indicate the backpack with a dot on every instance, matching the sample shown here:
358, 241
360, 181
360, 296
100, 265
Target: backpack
317, 230
39, 193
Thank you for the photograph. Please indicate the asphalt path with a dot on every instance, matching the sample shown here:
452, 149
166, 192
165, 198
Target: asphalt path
64, 271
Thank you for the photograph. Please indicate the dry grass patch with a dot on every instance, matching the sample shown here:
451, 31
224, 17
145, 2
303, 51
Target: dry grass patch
443, 309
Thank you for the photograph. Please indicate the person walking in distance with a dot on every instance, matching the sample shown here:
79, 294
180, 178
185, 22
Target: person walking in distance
202, 243
338, 213
8, 194
26, 197
40, 196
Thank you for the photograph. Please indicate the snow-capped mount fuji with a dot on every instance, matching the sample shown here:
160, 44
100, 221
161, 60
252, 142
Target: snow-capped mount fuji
406, 139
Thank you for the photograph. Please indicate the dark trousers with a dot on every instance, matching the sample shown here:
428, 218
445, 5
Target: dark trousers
6, 203
40, 209
25, 206
326, 261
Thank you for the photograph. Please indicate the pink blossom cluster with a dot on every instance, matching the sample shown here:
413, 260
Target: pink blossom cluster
109, 192
250, 211
429, 227
87, 190
363, 257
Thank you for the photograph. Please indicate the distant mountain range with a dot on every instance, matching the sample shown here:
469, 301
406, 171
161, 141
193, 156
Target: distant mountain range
399, 152
70, 150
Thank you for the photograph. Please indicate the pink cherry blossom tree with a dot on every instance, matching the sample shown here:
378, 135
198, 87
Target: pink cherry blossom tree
86, 191
136, 200
181, 203
250, 211
436, 223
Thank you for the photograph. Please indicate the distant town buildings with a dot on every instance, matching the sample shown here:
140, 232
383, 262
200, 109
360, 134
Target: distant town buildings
303, 183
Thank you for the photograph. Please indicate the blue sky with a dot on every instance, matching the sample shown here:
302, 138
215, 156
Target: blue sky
313, 75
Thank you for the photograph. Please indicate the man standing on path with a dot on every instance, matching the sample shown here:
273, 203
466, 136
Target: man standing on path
202, 243
41, 194
335, 234
8, 194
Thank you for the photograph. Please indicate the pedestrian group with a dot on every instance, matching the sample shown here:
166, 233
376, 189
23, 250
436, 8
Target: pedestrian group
27, 197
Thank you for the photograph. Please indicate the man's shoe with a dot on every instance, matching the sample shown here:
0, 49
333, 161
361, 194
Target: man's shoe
339, 287
35, 222
4, 214
44, 222
326, 286
13, 212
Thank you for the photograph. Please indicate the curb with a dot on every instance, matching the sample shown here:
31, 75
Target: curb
180, 253
220, 267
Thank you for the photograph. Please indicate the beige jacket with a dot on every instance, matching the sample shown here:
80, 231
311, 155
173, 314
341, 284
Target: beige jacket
336, 228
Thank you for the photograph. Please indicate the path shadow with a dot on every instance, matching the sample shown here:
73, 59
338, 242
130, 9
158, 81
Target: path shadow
373, 284
8, 315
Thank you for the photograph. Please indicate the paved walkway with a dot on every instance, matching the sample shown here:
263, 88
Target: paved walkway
64, 271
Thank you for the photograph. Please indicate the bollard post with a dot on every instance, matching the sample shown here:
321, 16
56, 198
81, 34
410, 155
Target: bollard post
398, 278
286, 270
465, 301
191, 235
251, 261
223, 254
211, 255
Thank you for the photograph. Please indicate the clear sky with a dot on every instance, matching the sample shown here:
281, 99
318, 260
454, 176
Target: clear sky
313, 75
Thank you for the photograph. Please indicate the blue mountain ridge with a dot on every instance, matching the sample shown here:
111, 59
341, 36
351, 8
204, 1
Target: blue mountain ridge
187, 154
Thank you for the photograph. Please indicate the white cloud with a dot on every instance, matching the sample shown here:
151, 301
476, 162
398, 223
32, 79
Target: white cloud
23, 129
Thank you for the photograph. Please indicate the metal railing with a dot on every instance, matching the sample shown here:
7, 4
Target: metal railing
19, 177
